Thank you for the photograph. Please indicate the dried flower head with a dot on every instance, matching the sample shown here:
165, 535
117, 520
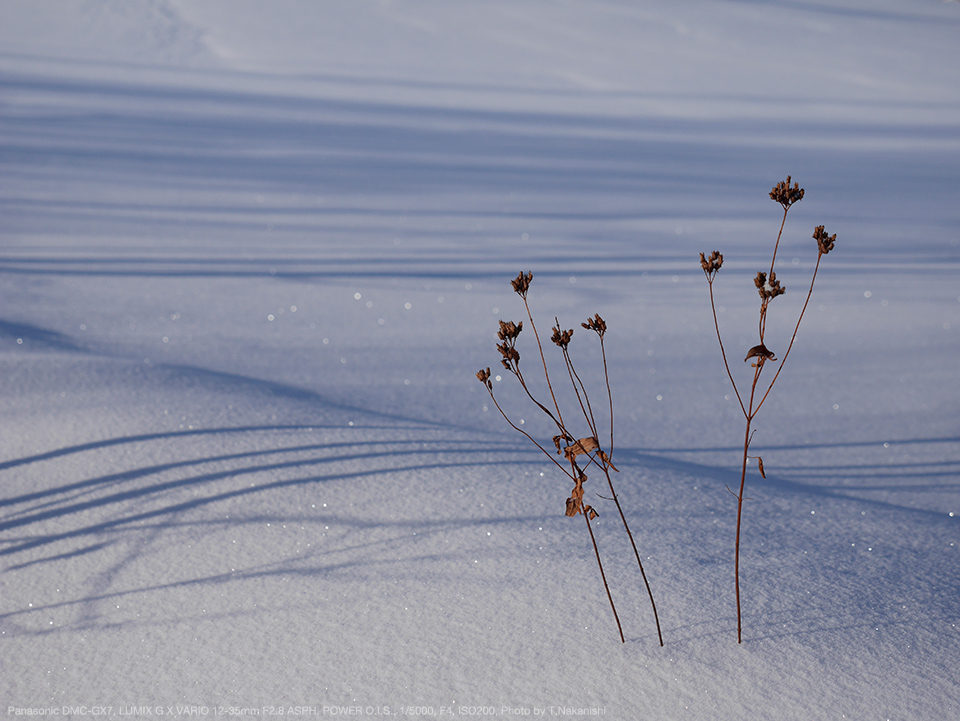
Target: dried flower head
508, 334
596, 324
768, 288
785, 195
712, 264
509, 330
823, 240
483, 376
511, 356
561, 338
521, 284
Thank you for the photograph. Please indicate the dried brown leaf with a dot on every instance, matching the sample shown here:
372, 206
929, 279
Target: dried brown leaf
583, 446
606, 459
760, 351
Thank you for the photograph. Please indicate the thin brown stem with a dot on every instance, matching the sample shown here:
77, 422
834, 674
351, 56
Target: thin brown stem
531, 438
526, 389
773, 260
543, 360
603, 576
783, 222
577, 388
723, 352
743, 480
794, 336
643, 574
606, 378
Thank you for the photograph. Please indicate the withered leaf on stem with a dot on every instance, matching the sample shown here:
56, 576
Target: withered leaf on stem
606, 459
584, 445
760, 351
759, 461
575, 502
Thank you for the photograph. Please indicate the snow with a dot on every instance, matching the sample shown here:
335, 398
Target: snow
254, 253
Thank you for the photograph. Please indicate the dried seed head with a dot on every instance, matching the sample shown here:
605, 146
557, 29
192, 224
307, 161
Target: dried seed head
508, 334
785, 195
596, 324
521, 284
712, 264
483, 376
774, 287
561, 338
511, 356
824, 241
768, 288
509, 330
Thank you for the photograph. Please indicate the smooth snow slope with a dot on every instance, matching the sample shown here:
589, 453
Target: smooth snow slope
252, 254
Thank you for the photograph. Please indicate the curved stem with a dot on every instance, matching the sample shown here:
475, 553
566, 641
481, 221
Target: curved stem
526, 389
794, 336
783, 222
531, 438
543, 360
716, 325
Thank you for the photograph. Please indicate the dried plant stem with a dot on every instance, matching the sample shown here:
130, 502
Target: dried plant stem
585, 511
794, 336
750, 415
529, 437
769, 288
636, 553
543, 360
606, 378
606, 463
577, 388
743, 481
565, 442
723, 352
603, 576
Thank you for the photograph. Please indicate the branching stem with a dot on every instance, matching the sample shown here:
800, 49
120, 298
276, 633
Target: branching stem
768, 288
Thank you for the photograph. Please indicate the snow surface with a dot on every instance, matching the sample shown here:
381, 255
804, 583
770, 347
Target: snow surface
253, 254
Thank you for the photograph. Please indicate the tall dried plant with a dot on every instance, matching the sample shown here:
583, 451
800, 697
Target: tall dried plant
579, 454
768, 286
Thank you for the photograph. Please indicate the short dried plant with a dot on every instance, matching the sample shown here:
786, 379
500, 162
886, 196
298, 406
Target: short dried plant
759, 356
578, 453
